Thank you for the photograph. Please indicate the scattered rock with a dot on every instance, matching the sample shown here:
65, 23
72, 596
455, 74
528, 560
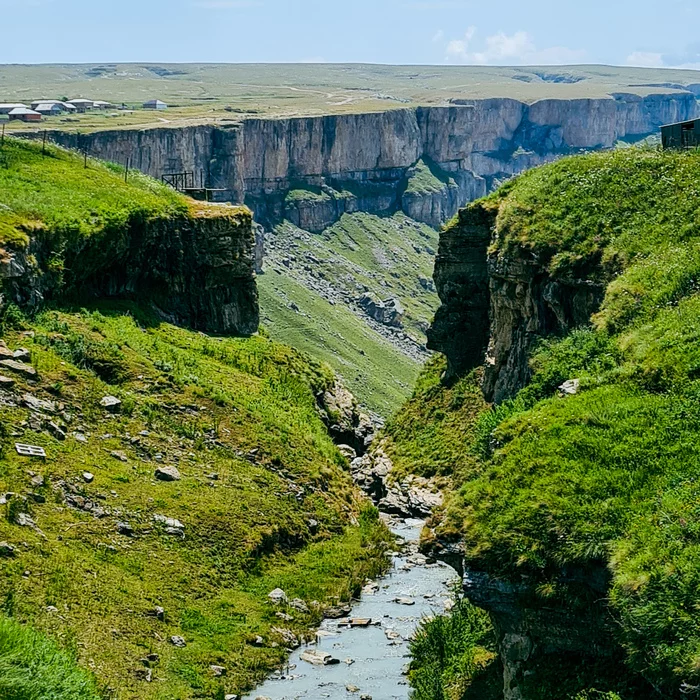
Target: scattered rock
335, 613
7, 550
19, 367
404, 601
288, 637
257, 642
23, 355
124, 528
352, 689
318, 658
88, 478
35, 404
570, 387
110, 403
278, 596
118, 454
218, 671
389, 312
159, 612
37, 481
172, 525
299, 604
178, 641
56, 430
167, 474
348, 452
6, 382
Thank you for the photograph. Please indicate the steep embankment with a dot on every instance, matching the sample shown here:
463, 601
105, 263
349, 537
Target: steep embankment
80, 229
358, 296
574, 501
176, 478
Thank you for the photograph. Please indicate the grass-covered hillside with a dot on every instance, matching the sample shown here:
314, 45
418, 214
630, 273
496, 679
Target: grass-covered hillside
78, 228
547, 483
50, 188
94, 543
312, 285
174, 478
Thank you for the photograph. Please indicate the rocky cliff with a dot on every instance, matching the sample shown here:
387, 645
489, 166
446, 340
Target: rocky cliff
365, 159
88, 234
496, 306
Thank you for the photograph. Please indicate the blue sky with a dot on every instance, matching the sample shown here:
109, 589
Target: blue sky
488, 32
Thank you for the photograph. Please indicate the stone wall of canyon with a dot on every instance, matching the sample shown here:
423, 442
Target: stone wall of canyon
367, 158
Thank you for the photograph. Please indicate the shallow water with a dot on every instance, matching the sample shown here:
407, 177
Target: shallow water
378, 661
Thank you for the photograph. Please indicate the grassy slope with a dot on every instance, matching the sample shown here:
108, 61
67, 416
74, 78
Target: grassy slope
54, 190
189, 400
201, 92
33, 668
387, 256
610, 474
205, 403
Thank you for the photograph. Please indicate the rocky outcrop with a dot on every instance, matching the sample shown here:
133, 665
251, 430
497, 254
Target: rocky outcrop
411, 497
494, 308
197, 268
347, 424
389, 312
366, 158
530, 630
461, 326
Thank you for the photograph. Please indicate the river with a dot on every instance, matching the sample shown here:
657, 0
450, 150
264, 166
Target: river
373, 658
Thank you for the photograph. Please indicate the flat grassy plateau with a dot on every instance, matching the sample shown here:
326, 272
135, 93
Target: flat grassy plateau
226, 92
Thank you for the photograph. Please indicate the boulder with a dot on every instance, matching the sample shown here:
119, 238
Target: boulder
19, 367
277, 596
110, 403
167, 474
318, 658
390, 312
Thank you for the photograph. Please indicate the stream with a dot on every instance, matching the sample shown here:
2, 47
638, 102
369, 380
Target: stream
372, 659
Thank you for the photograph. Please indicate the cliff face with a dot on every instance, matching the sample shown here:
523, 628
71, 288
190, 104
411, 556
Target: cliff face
197, 268
368, 156
494, 308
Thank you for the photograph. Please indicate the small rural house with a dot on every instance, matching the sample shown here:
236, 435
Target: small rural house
155, 104
681, 134
7, 107
24, 114
101, 104
49, 109
81, 104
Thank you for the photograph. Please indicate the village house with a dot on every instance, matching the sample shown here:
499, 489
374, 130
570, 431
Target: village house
49, 109
6, 108
155, 104
81, 104
24, 114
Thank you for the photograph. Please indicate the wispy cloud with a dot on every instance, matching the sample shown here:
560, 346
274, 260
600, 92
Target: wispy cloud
508, 49
688, 58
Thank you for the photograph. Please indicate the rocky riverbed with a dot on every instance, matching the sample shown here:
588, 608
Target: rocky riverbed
370, 661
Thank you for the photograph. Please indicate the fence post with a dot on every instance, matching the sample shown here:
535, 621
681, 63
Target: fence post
2, 138
126, 172
43, 144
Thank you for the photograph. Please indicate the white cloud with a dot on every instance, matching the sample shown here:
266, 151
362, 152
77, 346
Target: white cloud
438, 36
508, 49
645, 59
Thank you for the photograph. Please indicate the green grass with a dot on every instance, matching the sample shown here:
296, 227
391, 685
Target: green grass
387, 256
607, 477
454, 653
428, 178
53, 192
33, 668
201, 403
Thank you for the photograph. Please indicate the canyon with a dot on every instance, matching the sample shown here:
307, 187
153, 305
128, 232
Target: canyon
363, 162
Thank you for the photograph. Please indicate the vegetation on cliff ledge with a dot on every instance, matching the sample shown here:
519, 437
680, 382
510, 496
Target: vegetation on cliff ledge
607, 477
